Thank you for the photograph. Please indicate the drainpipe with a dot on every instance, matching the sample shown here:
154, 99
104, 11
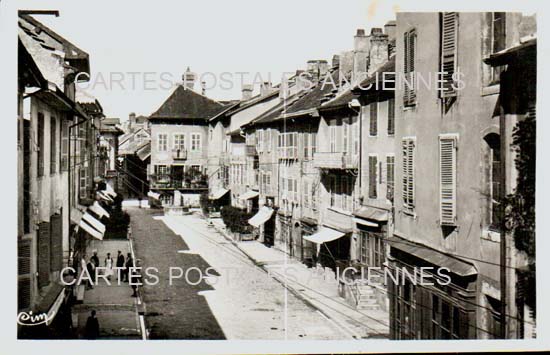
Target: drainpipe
504, 234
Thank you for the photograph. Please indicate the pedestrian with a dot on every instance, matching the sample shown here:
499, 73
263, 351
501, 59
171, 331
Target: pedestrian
92, 326
84, 267
120, 264
109, 266
129, 264
136, 278
91, 271
95, 259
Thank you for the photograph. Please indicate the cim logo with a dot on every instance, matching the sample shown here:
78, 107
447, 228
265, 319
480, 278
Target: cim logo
30, 319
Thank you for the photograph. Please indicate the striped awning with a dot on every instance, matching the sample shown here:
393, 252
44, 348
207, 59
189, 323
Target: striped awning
154, 195
324, 235
98, 210
249, 195
218, 194
263, 215
92, 226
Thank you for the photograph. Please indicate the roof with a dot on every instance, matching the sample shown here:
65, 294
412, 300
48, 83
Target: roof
526, 47
340, 101
311, 100
76, 56
275, 113
370, 82
187, 104
110, 121
144, 151
242, 105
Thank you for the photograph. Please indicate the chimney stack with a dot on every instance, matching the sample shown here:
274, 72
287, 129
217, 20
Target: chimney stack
188, 79
389, 29
131, 119
266, 88
246, 92
335, 61
317, 68
203, 88
378, 54
361, 48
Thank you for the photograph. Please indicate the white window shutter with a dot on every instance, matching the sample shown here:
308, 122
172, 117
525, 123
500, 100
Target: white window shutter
449, 36
410, 168
447, 180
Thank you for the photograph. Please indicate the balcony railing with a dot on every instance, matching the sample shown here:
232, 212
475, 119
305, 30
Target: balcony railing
179, 154
165, 181
251, 150
288, 152
335, 160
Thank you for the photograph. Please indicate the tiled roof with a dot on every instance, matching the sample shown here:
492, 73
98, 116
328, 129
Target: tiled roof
187, 104
110, 121
312, 99
340, 100
369, 83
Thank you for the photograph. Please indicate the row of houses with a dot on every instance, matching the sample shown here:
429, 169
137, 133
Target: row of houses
395, 156
66, 158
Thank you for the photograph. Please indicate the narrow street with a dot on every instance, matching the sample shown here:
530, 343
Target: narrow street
244, 303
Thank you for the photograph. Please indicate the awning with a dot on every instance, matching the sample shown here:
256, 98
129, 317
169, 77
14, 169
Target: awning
372, 213
154, 195
98, 210
263, 215
248, 195
109, 190
218, 194
366, 223
324, 235
90, 230
104, 196
51, 302
434, 257
76, 215
88, 218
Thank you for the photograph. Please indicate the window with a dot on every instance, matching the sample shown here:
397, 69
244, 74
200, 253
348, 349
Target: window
494, 178
306, 145
260, 140
195, 142
404, 308
345, 128
409, 94
332, 190
65, 146
355, 132
268, 140
288, 145
372, 249
497, 31
373, 123
305, 193
332, 131
179, 142
447, 179
40, 143
448, 52
344, 195
391, 117
313, 197
373, 162
83, 182
494, 318
163, 142
408, 146
53, 145
448, 320
390, 176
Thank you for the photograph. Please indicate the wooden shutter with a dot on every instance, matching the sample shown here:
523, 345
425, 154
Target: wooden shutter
449, 35
391, 117
372, 176
389, 177
409, 96
43, 254
24, 273
40, 139
56, 242
447, 180
373, 119
408, 172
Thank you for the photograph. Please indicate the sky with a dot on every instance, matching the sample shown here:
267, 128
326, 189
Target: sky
135, 42
139, 49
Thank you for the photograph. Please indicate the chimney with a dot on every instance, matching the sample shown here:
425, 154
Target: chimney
131, 119
317, 68
361, 47
188, 79
378, 53
203, 88
389, 29
246, 92
335, 61
266, 88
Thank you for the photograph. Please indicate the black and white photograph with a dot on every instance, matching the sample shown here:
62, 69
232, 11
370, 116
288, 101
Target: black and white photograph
304, 172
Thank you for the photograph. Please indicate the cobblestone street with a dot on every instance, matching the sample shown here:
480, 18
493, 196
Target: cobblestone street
235, 307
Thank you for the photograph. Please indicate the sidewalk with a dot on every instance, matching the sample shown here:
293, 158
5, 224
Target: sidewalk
315, 286
117, 311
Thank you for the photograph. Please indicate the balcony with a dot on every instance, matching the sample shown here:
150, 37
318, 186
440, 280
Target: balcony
335, 160
251, 150
167, 182
288, 152
179, 154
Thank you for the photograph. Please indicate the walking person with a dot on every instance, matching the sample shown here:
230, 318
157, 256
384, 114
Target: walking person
109, 266
120, 265
83, 268
91, 271
129, 264
95, 260
92, 327
136, 278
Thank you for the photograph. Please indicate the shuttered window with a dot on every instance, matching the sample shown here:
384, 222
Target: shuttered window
24, 273
40, 142
373, 127
373, 162
449, 36
447, 179
390, 164
64, 145
409, 93
56, 243
391, 117
43, 254
53, 145
408, 146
